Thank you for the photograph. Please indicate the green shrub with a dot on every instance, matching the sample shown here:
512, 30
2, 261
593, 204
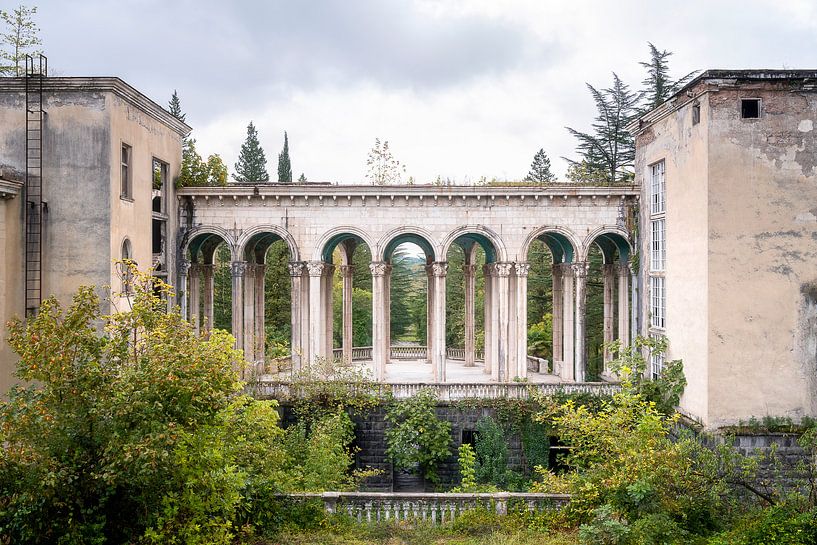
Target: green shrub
778, 524
491, 449
604, 529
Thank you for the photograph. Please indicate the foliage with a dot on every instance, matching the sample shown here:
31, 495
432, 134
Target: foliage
540, 337
416, 436
778, 524
609, 148
19, 38
491, 449
540, 169
658, 86
383, 168
252, 163
284, 166
302, 178
175, 107
467, 460
195, 172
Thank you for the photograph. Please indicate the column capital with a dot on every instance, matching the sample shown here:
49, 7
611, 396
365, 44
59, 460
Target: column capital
347, 270
316, 268
379, 268
469, 270
522, 269
488, 269
503, 269
439, 268
238, 268
580, 269
186, 266
624, 269
296, 268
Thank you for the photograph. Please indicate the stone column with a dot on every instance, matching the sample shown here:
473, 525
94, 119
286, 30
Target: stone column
379, 270
208, 275
387, 313
609, 280
557, 301
429, 313
193, 288
502, 369
439, 270
299, 309
624, 304
580, 271
522, 270
328, 309
488, 348
347, 273
568, 331
260, 312
317, 311
469, 273
249, 312
238, 269
183, 289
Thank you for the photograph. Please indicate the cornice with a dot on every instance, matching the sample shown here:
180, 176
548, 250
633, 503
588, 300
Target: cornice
9, 189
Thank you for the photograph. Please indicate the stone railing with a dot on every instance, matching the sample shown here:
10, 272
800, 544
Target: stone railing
359, 353
459, 354
434, 508
267, 389
409, 352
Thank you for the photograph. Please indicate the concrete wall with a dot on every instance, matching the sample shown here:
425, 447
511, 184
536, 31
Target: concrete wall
11, 274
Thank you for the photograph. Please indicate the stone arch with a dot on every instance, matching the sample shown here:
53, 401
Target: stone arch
206, 238
258, 239
608, 239
329, 241
562, 243
490, 242
395, 237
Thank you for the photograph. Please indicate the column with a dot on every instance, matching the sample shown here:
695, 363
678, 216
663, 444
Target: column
328, 309
488, 275
387, 314
609, 281
469, 273
183, 289
557, 301
568, 331
522, 270
317, 319
208, 274
502, 335
439, 269
580, 271
260, 313
298, 347
249, 313
347, 273
237, 270
429, 313
379, 269
624, 304
193, 287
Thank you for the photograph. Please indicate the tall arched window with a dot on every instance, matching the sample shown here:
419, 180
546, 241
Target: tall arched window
127, 277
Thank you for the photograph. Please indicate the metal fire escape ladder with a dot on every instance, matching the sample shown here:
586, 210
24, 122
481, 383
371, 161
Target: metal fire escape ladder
36, 71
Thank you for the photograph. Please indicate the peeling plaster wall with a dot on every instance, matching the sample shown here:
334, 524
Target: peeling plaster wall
762, 250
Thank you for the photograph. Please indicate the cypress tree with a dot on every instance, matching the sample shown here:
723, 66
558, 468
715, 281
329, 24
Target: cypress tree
284, 167
252, 163
658, 86
175, 107
540, 169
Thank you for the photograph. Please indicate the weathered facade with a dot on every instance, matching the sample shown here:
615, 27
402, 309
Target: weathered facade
102, 143
728, 174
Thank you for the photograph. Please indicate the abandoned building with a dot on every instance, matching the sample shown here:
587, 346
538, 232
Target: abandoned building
714, 245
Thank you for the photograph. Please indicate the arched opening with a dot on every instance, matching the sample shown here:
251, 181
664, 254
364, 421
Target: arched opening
209, 284
126, 256
607, 304
550, 305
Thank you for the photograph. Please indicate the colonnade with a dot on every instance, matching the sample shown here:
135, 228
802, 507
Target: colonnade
505, 351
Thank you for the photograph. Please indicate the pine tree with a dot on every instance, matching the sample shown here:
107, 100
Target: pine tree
252, 163
658, 86
19, 39
302, 178
175, 107
284, 167
540, 169
610, 147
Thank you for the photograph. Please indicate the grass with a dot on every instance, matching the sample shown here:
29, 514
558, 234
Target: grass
396, 535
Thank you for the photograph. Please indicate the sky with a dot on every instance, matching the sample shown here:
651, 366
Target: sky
460, 89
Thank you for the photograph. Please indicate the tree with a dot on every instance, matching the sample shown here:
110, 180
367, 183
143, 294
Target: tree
252, 163
302, 178
284, 167
19, 39
609, 148
383, 168
197, 173
658, 86
540, 169
175, 107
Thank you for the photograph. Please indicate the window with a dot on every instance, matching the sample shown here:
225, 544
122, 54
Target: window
469, 437
127, 279
750, 108
657, 194
658, 251
658, 302
126, 191
696, 113
160, 169
656, 363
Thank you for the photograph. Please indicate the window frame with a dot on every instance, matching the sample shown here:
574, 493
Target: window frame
759, 108
126, 172
126, 254
657, 300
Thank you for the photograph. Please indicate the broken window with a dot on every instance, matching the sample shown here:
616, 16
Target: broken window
696, 114
125, 192
750, 108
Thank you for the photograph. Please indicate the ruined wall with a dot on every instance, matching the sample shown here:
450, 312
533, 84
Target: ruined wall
12, 300
762, 253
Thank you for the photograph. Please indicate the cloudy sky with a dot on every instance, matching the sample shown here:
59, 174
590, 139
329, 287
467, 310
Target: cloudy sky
460, 89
